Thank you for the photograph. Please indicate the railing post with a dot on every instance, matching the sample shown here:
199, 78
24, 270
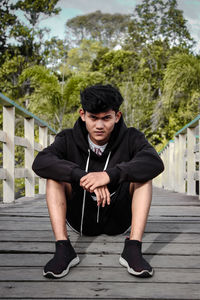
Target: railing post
51, 138
190, 161
181, 163
171, 165
29, 157
164, 178
176, 163
43, 135
199, 154
9, 154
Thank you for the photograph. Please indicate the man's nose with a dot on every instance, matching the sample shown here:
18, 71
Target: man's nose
99, 124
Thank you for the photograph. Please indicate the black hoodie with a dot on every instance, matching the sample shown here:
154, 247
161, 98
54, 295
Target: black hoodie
131, 159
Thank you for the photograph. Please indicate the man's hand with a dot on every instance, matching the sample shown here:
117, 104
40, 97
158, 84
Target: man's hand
94, 180
103, 195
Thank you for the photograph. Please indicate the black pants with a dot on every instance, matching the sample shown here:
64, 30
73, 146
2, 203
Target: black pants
113, 219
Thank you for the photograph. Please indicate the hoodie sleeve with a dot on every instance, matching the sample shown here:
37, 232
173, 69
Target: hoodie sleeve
144, 165
52, 163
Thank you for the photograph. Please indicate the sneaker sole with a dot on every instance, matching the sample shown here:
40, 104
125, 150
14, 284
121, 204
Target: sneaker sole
144, 273
73, 263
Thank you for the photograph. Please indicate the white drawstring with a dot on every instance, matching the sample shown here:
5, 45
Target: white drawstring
84, 193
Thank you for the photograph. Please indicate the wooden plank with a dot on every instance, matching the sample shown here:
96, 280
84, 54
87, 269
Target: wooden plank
37, 146
171, 244
21, 172
170, 211
43, 215
97, 260
97, 290
21, 141
47, 236
92, 274
156, 227
175, 211
105, 248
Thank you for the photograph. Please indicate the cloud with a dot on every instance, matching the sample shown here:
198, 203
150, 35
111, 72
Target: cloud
72, 8
109, 6
190, 8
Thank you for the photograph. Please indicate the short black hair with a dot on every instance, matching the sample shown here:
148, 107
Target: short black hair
101, 98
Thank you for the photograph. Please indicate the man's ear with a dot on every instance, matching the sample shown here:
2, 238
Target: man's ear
118, 116
82, 114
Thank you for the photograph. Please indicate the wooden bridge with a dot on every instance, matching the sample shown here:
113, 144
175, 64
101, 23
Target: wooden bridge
171, 241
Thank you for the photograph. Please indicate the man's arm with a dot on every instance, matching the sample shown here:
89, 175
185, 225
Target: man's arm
52, 163
144, 165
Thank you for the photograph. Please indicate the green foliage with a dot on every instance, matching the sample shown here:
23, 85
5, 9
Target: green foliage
7, 20
9, 76
45, 98
155, 70
80, 59
55, 53
108, 29
33, 9
117, 65
158, 20
180, 102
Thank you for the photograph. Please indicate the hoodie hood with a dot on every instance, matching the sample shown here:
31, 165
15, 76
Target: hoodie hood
80, 135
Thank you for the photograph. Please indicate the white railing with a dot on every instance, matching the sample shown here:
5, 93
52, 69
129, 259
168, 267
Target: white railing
182, 161
7, 136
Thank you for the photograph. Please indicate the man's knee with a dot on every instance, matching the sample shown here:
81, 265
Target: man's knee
53, 184
142, 184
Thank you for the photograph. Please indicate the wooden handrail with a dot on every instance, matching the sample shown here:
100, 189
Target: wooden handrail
181, 157
7, 136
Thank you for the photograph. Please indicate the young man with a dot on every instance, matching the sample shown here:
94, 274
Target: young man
99, 178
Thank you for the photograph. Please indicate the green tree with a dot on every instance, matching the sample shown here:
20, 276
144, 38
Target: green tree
55, 53
158, 20
45, 98
26, 47
28, 38
7, 20
116, 65
180, 102
109, 29
54, 101
34, 10
80, 59
9, 76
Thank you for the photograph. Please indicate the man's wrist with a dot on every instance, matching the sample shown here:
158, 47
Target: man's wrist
107, 175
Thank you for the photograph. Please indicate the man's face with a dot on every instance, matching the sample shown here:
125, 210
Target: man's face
100, 126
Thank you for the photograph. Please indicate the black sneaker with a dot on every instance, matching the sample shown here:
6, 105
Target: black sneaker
64, 258
132, 259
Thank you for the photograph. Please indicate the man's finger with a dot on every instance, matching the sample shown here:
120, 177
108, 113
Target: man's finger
107, 195
98, 195
104, 197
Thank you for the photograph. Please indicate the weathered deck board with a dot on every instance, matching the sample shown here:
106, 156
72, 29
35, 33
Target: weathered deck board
99, 289
106, 248
102, 273
47, 236
171, 243
98, 260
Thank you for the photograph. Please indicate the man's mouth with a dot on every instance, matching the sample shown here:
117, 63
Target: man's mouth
99, 132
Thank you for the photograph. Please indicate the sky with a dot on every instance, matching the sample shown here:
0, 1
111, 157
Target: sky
72, 8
